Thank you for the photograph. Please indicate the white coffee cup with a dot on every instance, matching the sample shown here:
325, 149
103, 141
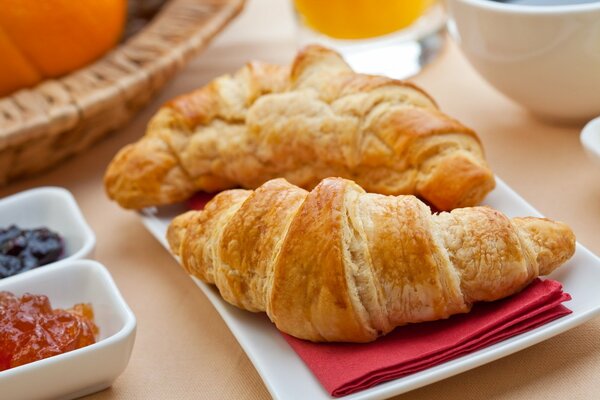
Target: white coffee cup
547, 58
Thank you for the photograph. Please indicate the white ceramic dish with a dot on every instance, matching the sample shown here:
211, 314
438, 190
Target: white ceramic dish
544, 57
590, 139
286, 376
82, 371
53, 208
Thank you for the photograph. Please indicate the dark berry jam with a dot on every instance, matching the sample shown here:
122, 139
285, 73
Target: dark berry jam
25, 249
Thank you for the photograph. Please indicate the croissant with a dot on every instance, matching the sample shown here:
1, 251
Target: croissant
340, 264
305, 123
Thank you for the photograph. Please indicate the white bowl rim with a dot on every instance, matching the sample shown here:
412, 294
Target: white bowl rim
67, 197
590, 136
511, 8
66, 267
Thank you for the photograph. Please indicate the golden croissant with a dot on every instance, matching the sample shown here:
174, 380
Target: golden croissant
305, 123
340, 264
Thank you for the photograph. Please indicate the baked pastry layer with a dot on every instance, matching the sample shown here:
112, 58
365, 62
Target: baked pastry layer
313, 120
340, 264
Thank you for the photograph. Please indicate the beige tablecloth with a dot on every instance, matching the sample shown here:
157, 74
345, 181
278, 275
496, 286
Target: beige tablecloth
184, 350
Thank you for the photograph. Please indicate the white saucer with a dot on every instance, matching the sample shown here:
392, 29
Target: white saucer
590, 139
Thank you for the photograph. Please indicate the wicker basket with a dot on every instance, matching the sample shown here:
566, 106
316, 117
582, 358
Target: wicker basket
41, 126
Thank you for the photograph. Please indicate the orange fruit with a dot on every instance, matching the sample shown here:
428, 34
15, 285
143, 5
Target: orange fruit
49, 38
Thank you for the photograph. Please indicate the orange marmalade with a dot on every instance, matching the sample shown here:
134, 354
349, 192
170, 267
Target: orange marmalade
31, 330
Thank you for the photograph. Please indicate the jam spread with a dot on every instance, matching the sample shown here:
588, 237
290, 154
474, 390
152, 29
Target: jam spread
25, 249
31, 330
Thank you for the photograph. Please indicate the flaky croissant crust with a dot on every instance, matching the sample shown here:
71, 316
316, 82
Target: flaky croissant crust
340, 264
305, 123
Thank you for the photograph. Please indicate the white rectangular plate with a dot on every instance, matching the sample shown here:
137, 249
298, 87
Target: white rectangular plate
287, 377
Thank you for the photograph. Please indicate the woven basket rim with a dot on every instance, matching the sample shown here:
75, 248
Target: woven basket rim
18, 111
58, 118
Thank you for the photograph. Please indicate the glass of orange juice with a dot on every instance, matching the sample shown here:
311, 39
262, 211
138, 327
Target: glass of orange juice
389, 37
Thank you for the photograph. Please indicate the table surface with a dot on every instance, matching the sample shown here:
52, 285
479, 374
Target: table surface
184, 350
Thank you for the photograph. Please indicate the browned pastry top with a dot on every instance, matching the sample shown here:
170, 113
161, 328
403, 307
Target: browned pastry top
339, 264
305, 123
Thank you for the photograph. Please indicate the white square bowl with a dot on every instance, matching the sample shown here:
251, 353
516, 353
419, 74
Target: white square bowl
53, 208
82, 371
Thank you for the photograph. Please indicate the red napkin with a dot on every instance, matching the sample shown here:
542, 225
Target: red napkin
348, 368
344, 368
199, 200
